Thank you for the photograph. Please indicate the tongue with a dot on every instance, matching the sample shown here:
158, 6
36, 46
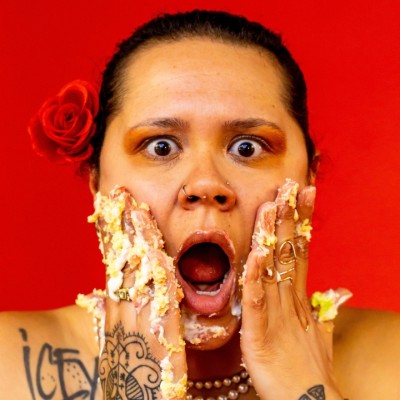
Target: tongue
204, 262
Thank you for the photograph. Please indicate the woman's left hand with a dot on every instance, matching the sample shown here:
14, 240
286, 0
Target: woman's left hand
286, 352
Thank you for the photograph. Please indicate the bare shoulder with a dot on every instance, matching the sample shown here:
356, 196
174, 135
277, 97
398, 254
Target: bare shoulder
367, 353
47, 354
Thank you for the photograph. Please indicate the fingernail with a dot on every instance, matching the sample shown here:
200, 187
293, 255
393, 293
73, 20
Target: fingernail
307, 196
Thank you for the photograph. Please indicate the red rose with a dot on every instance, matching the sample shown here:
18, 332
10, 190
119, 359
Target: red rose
64, 125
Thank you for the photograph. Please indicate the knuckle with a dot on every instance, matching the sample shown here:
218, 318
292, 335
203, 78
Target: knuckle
269, 272
286, 250
286, 212
258, 302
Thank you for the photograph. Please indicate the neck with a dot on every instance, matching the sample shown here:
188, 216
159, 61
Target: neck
215, 364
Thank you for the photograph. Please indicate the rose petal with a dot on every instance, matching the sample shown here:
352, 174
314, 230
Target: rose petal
77, 157
82, 125
64, 118
41, 144
80, 144
86, 95
51, 131
73, 95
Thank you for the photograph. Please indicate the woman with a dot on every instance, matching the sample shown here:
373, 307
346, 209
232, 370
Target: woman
203, 117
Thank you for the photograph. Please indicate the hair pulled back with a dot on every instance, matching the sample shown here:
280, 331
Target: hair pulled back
215, 25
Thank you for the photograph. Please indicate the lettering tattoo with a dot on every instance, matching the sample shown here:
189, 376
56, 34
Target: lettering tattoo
127, 369
316, 392
58, 373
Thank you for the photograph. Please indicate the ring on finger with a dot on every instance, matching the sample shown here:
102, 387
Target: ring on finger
280, 280
287, 271
123, 294
282, 258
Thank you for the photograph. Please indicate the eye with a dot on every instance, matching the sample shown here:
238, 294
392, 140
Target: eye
161, 147
247, 147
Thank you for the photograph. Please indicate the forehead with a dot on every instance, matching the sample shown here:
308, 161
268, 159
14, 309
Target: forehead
205, 68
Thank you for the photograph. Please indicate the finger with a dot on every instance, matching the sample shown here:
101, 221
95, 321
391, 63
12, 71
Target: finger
144, 254
165, 309
113, 243
264, 241
254, 305
285, 256
305, 207
302, 311
264, 230
261, 303
325, 308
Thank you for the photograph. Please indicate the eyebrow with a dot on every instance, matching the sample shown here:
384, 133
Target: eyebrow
175, 123
249, 123
235, 124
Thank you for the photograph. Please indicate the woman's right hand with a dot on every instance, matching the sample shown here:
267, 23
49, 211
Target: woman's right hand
143, 354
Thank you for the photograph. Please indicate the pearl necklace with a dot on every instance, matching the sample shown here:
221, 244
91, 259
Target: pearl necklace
242, 380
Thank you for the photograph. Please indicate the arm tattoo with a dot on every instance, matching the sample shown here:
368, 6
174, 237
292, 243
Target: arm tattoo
58, 373
316, 392
127, 369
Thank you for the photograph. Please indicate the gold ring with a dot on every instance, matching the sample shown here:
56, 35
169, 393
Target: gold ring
123, 294
292, 260
280, 280
287, 271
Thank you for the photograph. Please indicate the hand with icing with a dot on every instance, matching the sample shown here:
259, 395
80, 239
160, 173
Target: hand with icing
143, 300
280, 338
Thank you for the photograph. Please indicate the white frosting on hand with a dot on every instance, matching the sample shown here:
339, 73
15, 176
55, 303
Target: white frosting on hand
133, 244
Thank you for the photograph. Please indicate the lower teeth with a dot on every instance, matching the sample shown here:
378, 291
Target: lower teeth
213, 293
201, 287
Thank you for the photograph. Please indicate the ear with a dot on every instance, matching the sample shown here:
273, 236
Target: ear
313, 169
94, 181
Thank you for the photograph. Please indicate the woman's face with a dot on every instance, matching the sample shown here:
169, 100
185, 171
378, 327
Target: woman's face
209, 117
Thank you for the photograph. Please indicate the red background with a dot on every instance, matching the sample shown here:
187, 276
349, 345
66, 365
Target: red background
349, 51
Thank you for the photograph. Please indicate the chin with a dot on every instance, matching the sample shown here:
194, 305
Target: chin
210, 332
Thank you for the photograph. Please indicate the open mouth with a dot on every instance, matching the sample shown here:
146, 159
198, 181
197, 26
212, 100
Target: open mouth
204, 267
205, 273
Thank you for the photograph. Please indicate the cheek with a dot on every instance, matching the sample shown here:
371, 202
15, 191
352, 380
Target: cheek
158, 198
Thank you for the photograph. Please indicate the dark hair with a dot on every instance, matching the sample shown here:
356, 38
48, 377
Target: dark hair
215, 25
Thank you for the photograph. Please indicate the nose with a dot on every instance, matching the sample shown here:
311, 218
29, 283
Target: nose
207, 190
